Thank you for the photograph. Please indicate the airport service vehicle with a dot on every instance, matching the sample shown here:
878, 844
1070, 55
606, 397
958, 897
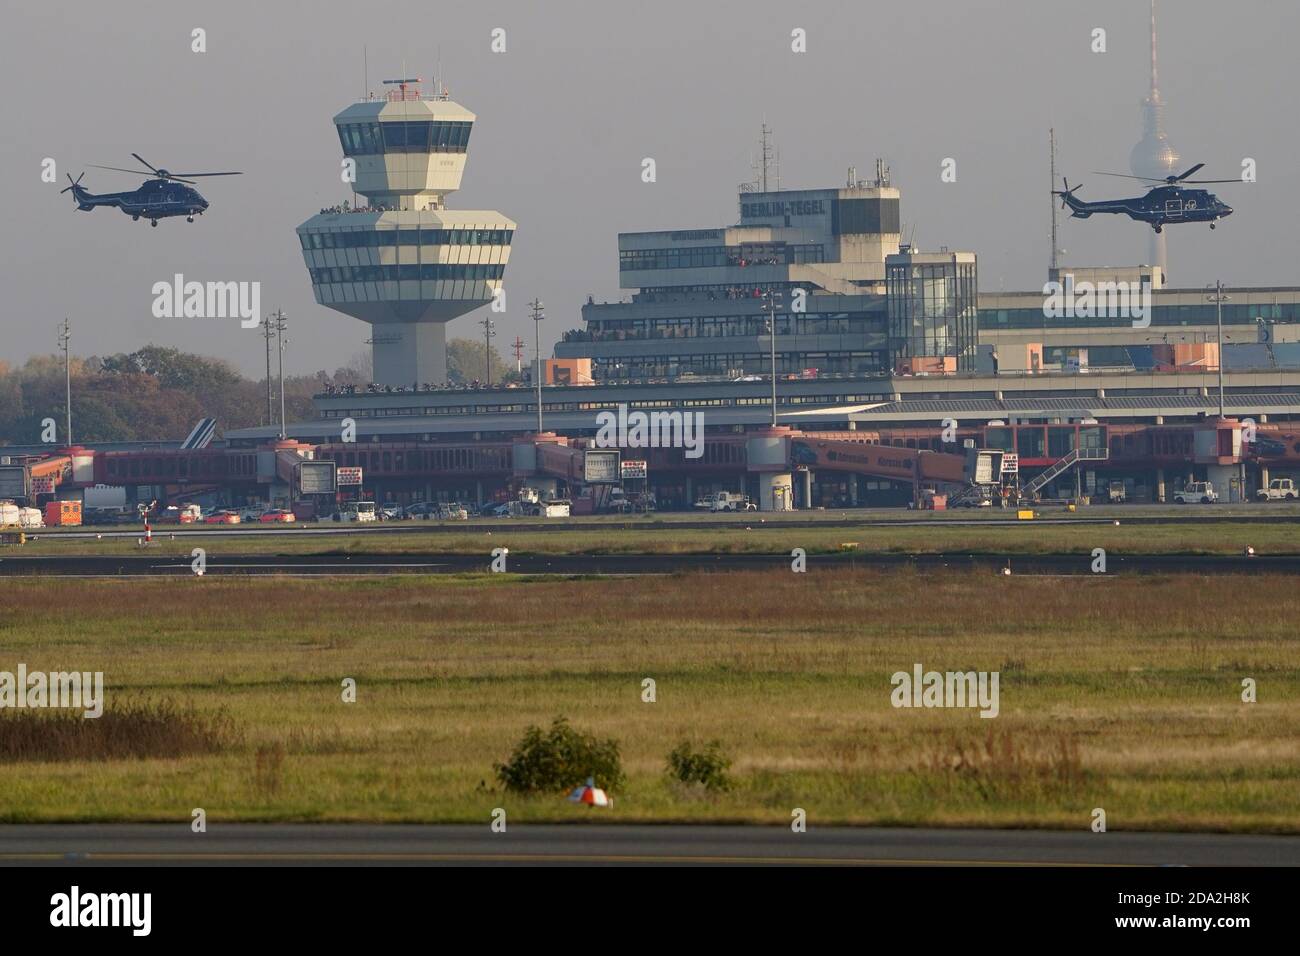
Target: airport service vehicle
1197, 491
62, 513
184, 514
555, 508
1279, 489
358, 511
725, 501
390, 513
1115, 493
13, 516
452, 511
222, 517
277, 516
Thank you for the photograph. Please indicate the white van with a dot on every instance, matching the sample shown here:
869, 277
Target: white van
358, 511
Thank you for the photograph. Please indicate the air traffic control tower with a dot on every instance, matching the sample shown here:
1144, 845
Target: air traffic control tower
400, 260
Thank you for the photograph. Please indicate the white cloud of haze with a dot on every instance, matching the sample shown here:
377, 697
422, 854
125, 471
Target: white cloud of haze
584, 93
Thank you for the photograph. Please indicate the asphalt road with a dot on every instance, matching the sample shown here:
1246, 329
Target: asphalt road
623, 564
313, 844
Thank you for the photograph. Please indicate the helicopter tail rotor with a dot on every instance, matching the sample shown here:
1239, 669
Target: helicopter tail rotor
75, 185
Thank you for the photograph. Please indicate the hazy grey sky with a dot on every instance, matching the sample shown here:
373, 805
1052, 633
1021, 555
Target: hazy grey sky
585, 91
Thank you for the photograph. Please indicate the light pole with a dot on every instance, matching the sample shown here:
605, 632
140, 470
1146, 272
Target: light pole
770, 305
489, 330
1218, 298
65, 336
268, 333
281, 325
538, 313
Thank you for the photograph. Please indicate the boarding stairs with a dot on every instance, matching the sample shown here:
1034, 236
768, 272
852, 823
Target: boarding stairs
1061, 466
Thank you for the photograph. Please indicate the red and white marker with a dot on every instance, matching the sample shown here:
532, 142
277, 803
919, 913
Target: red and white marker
591, 795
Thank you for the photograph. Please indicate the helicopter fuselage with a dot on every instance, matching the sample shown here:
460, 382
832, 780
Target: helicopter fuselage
154, 200
1162, 205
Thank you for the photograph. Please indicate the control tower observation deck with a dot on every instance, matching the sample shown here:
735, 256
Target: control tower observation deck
401, 261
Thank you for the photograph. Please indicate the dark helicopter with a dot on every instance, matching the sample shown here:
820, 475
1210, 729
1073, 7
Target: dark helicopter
1166, 202
167, 194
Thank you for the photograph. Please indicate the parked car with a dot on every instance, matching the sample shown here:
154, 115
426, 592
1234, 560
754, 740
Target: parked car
222, 517
277, 516
390, 513
422, 510
252, 513
1197, 491
494, 510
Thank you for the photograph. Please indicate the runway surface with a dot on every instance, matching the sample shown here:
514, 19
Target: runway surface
145, 564
313, 844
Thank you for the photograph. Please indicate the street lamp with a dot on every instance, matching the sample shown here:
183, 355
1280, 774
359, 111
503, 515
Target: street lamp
281, 326
771, 302
1218, 298
538, 314
489, 330
65, 336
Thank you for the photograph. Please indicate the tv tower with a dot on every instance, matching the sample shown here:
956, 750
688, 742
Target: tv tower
1153, 157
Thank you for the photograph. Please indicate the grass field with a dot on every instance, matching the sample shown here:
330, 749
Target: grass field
1119, 693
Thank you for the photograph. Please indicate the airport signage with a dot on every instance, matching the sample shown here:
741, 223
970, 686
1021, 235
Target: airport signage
634, 469
349, 476
316, 478
1010, 464
600, 467
772, 210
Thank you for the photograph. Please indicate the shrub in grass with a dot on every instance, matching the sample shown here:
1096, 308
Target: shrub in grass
559, 759
707, 767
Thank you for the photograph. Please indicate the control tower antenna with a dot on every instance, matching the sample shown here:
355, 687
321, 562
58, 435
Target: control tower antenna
1051, 140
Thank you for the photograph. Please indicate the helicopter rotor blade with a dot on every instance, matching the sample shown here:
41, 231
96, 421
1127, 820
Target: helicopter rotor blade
1179, 178
174, 175
145, 161
177, 179
1213, 180
1144, 179
117, 169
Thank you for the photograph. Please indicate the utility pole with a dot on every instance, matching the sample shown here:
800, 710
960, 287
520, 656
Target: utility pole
519, 355
268, 333
1218, 297
281, 325
65, 336
538, 313
489, 330
770, 305
1051, 138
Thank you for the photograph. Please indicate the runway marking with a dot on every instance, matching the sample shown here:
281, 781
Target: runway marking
523, 858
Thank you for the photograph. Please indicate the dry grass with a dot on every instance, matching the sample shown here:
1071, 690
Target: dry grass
136, 730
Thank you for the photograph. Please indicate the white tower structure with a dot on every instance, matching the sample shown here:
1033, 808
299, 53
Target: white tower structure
401, 261
1153, 157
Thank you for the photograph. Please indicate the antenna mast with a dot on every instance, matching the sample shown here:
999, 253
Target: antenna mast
1051, 139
